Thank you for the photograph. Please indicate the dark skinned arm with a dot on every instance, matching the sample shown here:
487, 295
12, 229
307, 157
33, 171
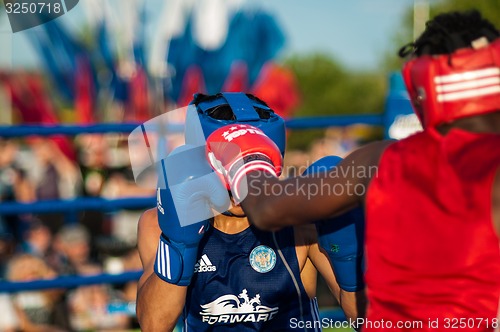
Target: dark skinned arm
305, 199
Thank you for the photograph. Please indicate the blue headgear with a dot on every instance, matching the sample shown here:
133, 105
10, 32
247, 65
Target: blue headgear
198, 120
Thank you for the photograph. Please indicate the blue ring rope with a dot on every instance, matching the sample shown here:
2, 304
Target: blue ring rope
69, 282
107, 128
77, 204
47, 129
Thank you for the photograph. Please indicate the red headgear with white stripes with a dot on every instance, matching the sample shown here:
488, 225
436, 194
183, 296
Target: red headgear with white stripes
444, 88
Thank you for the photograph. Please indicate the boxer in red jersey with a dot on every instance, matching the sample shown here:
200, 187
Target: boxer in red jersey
432, 200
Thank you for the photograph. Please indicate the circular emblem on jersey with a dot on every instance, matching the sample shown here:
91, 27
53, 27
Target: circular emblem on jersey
262, 259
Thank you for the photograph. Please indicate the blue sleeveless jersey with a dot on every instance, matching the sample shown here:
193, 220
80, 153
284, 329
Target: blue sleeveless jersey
249, 281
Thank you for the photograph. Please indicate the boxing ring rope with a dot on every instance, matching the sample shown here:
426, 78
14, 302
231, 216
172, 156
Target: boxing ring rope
67, 282
77, 204
108, 128
109, 205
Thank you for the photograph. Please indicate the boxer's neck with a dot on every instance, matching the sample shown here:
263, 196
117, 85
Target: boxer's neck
230, 224
487, 123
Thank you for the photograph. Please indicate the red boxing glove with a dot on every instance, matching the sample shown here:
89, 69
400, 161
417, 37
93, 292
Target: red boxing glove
235, 150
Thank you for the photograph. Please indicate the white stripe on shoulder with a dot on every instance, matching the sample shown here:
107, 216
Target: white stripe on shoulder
158, 258
162, 259
466, 76
167, 254
473, 84
469, 93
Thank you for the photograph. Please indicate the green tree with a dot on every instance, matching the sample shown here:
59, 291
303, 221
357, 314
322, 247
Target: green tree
329, 89
490, 9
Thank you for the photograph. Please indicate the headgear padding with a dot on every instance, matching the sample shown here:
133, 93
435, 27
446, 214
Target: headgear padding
199, 123
444, 88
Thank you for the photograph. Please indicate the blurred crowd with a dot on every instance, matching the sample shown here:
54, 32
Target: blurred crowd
83, 243
71, 243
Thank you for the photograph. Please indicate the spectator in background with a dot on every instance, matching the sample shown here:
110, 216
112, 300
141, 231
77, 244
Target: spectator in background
72, 243
37, 241
96, 170
89, 306
93, 161
14, 186
107, 173
7, 249
37, 310
9, 322
123, 223
55, 176
131, 262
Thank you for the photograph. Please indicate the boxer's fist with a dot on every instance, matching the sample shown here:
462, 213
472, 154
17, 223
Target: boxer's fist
235, 150
187, 191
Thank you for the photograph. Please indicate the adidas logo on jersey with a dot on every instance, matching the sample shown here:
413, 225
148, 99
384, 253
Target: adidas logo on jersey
204, 265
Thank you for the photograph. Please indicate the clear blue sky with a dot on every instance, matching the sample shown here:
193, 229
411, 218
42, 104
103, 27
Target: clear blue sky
356, 32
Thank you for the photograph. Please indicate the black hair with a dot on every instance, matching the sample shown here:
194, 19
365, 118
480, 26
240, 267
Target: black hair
451, 31
224, 112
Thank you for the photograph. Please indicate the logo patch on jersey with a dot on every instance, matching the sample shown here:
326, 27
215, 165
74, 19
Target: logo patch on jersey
232, 309
204, 265
262, 259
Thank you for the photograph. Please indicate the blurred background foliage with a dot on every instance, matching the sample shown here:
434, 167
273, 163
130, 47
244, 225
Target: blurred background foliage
328, 87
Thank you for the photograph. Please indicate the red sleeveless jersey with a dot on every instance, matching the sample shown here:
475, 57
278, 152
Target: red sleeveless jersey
432, 252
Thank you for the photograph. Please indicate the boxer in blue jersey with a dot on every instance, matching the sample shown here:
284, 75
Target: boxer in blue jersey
222, 273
